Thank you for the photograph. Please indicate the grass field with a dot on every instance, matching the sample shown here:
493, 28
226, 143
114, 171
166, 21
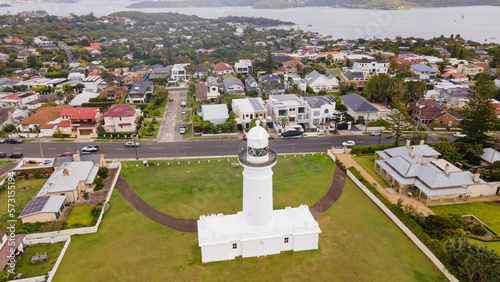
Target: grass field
366, 162
25, 267
4, 163
22, 198
486, 212
358, 242
80, 214
197, 190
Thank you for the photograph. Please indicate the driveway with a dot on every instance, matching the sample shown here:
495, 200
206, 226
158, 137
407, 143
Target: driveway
172, 118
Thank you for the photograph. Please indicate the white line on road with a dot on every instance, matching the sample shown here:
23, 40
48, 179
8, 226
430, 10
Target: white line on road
18, 148
223, 146
325, 143
186, 147
51, 148
292, 144
156, 148
120, 149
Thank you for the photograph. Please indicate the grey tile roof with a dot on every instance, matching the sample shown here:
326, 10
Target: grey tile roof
318, 101
422, 68
358, 103
490, 155
140, 87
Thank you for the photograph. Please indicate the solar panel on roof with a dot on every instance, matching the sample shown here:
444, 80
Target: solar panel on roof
256, 105
35, 206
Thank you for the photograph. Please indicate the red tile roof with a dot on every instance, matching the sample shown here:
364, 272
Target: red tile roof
44, 115
48, 126
65, 123
120, 110
222, 67
79, 113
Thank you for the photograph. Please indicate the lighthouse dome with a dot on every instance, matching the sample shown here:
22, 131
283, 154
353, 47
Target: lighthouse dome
257, 132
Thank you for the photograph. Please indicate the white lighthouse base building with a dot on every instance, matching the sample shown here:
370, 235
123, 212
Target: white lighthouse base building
224, 237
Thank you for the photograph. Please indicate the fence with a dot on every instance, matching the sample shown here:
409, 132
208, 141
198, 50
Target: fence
220, 135
405, 229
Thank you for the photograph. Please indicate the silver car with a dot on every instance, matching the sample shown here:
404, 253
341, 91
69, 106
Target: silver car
130, 144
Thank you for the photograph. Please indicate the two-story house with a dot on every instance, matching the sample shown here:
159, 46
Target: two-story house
18, 100
223, 68
243, 67
140, 92
208, 90
320, 109
40, 117
319, 82
424, 71
293, 78
358, 106
80, 121
245, 110
471, 70
201, 70
287, 111
115, 93
179, 72
121, 118
233, 85
271, 84
252, 84
371, 66
356, 78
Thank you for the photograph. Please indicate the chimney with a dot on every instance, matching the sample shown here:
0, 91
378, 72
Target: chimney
422, 141
476, 176
407, 143
423, 159
76, 157
411, 152
447, 169
65, 171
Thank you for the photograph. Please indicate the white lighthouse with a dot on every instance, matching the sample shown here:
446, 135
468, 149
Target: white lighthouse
258, 230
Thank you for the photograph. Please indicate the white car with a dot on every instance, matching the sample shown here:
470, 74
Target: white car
132, 144
348, 143
46, 163
90, 148
459, 134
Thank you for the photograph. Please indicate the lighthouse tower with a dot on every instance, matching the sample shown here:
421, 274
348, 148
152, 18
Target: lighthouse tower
257, 161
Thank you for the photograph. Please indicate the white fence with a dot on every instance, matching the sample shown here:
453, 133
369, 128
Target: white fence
220, 135
405, 229
329, 152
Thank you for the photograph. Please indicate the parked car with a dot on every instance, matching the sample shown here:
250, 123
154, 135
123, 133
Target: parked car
14, 141
66, 154
84, 153
348, 143
183, 112
459, 134
270, 137
45, 163
375, 133
3, 155
16, 155
183, 125
182, 130
90, 148
130, 144
170, 99
2, 141
183, 98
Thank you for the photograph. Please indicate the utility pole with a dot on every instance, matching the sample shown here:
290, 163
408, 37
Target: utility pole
39, 143
135, 147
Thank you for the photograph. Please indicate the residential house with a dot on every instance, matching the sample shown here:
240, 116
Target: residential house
11, 116
121, 118
358, 106
140, 92
470, 70
43, 209
44, 99
371, 66
72, 180
96, 159
287, 111
453, 97
290, 66
319, 82
132, 78
233, 85
426, 111
10, 244
293, 78
252, 84
307, 54
201, 70
424, 71
216, 114
320, 109
160, 72
112, 79
179, 72
271, 84
245, 110
84, 97
115, 93
418, 170
80, 121
208, 90
243, 67
40, 117
92, 83
18, 100
336, 55
356, 78
223, 68
490, 156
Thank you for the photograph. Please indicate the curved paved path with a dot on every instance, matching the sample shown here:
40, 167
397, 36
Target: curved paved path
190, 225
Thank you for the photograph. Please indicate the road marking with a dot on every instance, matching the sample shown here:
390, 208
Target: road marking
325, 143
122, 149
185, 147
51, 148
223, 146
292, 144
18, 148
156, 148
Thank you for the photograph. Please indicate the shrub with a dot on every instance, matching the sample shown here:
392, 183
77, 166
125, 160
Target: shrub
98, 184
36, 174
479, 230
96, 210
359, 150
61, 135
103, 172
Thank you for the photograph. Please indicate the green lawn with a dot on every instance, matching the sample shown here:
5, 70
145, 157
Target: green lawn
25, 267
366, 162
486, 212
80, 214
22, 198
155, 131
161, 108
358, 243
189, 190
4, 163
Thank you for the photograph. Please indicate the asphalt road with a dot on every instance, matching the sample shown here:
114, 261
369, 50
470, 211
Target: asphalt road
221, 147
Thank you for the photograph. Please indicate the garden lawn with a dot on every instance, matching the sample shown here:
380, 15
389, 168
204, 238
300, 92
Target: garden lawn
25, 267
80, 214
22, 198
358, 243
486, 212
190, 190
4, 163
366, 161
155, 131
162, 108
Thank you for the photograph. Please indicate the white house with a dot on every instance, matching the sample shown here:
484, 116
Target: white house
92, 83
320, 109
371, 66
319, 82
287, 111
257, 230
178, 72
243, 67
293, 78
84, 97
121, 118
216, 114
245, 110
424, 71
358, 106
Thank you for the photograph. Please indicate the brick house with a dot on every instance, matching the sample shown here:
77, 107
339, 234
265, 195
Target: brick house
80, 121
121, 118
114, 93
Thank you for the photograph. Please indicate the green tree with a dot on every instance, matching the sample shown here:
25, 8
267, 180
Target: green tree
269, 63
33, 62
414, 90
292, 45
479, 112
398, 119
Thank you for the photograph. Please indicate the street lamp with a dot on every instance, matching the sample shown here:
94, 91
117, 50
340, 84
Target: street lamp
366, 121
135, 146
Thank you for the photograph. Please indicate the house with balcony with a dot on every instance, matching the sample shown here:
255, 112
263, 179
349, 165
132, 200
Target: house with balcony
140, 92
179, 72
319, 82
356, 78
371, 66
208, 90
320, 109
115, 93
358, 106
243, 67
271, 84
287, 111
121, 118
41, 117
80, 121
424, 71
293, 78
247, 109
233, 85
18, 100
223, 68
471, 70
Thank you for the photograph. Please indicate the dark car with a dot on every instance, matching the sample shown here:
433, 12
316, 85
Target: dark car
14, 141
3, 155
16, 155
170, 99
67, 154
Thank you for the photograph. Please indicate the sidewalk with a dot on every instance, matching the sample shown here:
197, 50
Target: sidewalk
348, 161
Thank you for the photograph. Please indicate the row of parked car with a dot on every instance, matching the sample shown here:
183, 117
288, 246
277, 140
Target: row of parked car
11, 141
